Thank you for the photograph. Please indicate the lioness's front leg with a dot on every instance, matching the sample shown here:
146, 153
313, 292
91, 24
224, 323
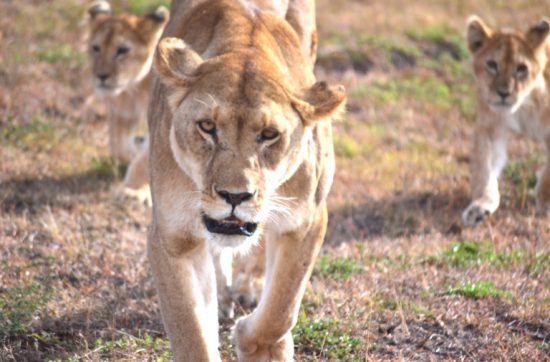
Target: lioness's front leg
187, 291
265, 335
487, 161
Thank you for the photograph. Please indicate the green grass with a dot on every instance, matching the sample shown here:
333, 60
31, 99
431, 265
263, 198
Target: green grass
326, 339
18, 306
107, 168
382, 302
465, 254
38, 135
478, 290
430, 91
440, 34
329, 267
62, 53
387, 45
346, 146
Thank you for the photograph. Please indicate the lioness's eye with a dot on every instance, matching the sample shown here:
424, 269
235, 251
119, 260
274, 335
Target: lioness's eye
207, 126
268, 134
122, 50
521, 69
96, 48
492, 65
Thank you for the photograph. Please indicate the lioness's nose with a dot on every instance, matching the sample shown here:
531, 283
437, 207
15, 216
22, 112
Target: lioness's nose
234, 199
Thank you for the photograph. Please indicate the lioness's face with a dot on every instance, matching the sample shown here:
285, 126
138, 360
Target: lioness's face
508, 65
237, 152
121, 48
239, 130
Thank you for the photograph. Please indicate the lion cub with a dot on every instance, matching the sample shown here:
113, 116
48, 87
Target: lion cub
121, 52
512, 75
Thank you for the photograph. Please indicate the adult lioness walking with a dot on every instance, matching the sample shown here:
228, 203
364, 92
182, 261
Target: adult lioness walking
241, 148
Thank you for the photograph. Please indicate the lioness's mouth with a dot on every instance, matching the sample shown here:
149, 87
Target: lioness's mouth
229, 226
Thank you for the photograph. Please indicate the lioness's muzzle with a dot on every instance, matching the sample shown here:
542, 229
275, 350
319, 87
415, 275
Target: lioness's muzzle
229, 226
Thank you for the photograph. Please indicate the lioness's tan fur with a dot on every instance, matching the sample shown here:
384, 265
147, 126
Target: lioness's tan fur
235, 108
512, 79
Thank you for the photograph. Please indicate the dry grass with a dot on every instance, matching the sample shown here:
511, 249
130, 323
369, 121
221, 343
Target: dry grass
400, 279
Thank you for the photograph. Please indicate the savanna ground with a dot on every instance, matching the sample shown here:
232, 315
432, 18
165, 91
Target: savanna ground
399, 278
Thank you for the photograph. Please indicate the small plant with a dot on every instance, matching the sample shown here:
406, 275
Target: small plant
144, 6
336, 268
478, 290
18, 305
325, 338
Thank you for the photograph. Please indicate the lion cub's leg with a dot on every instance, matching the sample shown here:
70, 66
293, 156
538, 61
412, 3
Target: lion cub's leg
223, 264
543, 184
136, 180
265, 335
487, 161
249, 276
123, 143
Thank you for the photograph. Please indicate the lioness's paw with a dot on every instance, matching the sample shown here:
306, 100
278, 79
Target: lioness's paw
475, 214
249, 351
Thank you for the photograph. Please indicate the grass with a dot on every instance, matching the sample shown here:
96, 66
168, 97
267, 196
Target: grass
329, 267
478, 290
326, 339
400, 278
18, 306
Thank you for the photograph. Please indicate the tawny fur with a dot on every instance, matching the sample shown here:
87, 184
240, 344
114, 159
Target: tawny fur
121, 51
235, 108
512, 79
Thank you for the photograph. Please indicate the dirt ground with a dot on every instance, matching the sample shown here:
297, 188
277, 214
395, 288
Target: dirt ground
400, 278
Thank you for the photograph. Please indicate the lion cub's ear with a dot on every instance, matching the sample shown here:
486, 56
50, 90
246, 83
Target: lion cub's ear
99, 8
152, 24
477, 33
320, 102
538, 34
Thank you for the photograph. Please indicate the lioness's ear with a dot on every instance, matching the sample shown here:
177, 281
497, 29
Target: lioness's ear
176, 62
160, 15
320, 102
99, 7
477, 33
538, 34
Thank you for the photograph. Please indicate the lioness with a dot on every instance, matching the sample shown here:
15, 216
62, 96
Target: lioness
121, 52
512, 76
241, 149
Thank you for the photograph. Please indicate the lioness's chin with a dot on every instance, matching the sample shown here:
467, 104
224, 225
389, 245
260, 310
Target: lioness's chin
230, 232
239, 243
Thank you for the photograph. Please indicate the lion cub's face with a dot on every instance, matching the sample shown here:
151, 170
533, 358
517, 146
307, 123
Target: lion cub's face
508, 65
121, 47
239, 135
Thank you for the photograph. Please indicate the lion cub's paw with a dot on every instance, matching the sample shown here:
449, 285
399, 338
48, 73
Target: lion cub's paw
475, 213
250, 351
543, 208
143, 194
247, 289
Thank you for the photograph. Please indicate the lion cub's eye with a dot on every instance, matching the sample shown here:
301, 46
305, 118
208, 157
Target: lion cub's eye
268, 135
123, 50
521, 70
207, 126
492, 66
